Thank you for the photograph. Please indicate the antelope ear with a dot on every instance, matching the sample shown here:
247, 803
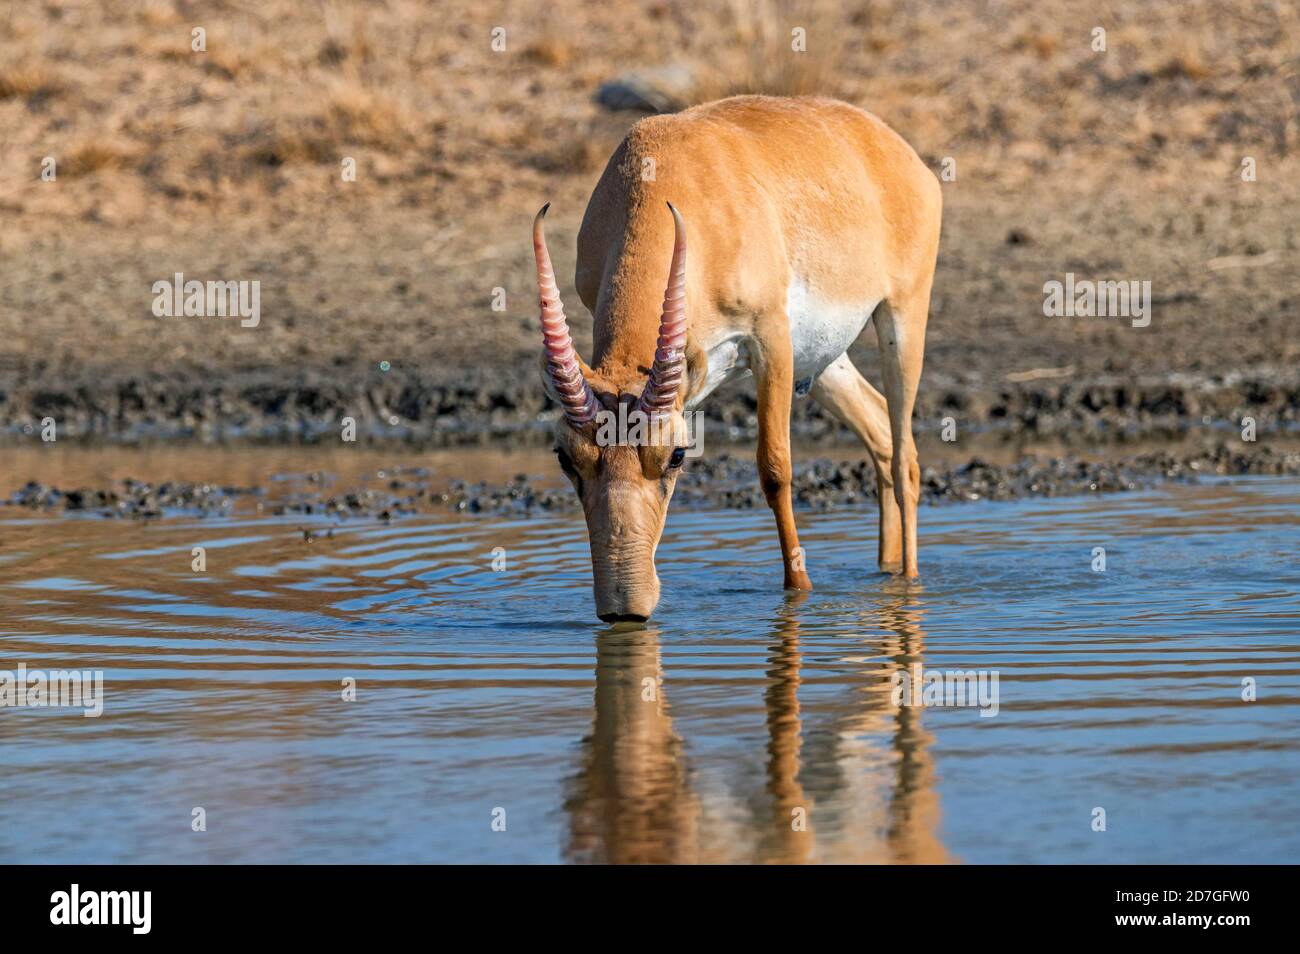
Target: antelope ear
697, 369
547, 384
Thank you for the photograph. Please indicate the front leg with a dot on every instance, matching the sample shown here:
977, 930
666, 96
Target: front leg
774, 376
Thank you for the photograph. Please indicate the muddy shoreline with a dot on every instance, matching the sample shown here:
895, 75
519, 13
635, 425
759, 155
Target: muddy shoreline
724, 481
491, 405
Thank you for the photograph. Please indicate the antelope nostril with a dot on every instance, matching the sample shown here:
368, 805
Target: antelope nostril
622, 617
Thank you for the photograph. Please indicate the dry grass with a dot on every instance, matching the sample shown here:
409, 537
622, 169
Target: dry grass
796, 48
550, 52
346, 39
1042, 45
99, 155
346, 114
30, 81
285, 86
439, 120
571, 156
280, 144
1186, 64
227, 162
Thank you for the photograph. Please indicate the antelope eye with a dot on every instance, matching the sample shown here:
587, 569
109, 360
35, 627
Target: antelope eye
675, 461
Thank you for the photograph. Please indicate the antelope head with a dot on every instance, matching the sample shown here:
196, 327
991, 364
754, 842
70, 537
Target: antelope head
621, 443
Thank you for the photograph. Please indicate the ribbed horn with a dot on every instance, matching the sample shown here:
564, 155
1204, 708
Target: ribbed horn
579, 402
660, 394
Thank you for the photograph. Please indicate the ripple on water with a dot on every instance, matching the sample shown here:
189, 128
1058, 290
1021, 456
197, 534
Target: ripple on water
701, 737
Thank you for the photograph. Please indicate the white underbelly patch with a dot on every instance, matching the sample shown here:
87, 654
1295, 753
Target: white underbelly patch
821, 330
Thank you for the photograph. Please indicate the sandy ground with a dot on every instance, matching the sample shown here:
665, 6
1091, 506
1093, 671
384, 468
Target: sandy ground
227, 164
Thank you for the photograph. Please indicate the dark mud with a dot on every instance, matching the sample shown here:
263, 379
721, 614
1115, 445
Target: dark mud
483, 406
724, 481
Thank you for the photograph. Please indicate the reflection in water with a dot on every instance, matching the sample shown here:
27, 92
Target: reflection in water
632, 800
741, 714
789, 832
914, 808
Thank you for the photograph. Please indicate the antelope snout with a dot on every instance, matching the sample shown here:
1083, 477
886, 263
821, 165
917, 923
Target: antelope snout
624, 598
622, 617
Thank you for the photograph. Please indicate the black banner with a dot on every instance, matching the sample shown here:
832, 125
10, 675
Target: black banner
138, 903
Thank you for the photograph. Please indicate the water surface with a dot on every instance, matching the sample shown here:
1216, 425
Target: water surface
743, 725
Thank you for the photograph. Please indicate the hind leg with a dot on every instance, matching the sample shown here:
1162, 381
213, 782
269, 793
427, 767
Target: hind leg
845, 393
900, 328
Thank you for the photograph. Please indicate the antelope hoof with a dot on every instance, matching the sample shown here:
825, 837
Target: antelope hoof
797, 580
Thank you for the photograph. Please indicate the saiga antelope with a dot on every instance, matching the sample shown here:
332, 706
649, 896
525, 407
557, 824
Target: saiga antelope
790, 224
